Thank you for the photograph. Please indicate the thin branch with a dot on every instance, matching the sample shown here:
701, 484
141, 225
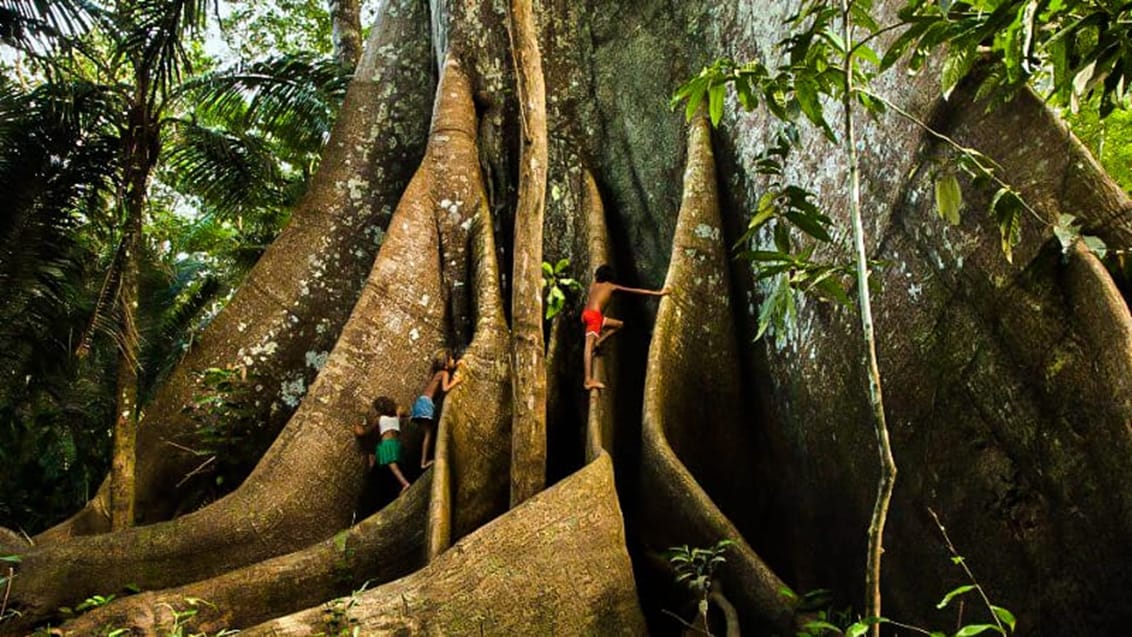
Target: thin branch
686, 624
874, 34
963, 565
194, 472
908, 627
954, 144
7, 591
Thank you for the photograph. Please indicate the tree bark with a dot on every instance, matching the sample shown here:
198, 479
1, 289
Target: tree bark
555, 565
390, 543
381, 548
346, 32
528, 429
693, 429
140, 141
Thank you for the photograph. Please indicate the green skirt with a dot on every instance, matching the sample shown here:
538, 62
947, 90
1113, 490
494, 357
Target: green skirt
389, 451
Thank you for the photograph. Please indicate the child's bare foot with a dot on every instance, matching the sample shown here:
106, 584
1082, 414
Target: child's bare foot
593, 384
404, 487
426, 464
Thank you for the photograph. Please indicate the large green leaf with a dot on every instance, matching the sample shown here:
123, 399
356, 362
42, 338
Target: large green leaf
948, 198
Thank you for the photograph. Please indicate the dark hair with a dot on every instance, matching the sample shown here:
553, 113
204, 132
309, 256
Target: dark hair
385, 406
603, 273
440, 359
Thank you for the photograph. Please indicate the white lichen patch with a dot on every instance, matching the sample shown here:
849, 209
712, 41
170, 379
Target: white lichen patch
291, 391
414, 334
322, 327
424, 300
263, 350
358, 188
914, 291
241, 327
704, 231
316, 359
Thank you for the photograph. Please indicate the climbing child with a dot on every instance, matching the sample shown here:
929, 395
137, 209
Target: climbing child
444, 377
599, 327
388, 424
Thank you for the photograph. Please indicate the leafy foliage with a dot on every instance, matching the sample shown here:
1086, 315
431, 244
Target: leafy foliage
35, 26
1074, 47
695, 568
557, 283
789, 268
1078, 49
226, 427
232, 152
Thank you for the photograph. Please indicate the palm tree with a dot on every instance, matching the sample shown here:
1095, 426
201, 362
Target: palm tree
244, 152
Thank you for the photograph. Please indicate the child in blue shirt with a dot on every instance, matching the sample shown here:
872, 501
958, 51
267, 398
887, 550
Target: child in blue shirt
444, 378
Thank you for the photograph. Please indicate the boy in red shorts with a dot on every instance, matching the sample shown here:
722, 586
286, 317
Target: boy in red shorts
599, 327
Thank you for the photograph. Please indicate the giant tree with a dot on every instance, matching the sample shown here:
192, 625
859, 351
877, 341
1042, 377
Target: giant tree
1008, 412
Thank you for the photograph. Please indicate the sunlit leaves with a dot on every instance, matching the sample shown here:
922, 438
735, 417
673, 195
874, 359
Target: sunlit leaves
948, 198
1080, 47
557, 283
1006, 209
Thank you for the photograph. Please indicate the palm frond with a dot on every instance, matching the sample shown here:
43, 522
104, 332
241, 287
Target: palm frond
291, 98
156, 38
232, 172
35, 26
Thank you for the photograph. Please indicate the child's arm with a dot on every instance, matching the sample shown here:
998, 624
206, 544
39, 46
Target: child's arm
363, 428
661, 292
449, 381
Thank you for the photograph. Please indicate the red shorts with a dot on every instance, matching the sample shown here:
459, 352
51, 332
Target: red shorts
593, 320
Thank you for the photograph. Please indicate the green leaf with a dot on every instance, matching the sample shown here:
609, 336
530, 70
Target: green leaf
716, 95
867, 54
812, 225
860, 15
976, 629
905, 40
815, 626
809, 101
857, 630
547, 270
833, 289
787, 593
1007, 209
1004, 616
948, 198
953, 594
955, 68
561, 265
782, 237
14, 559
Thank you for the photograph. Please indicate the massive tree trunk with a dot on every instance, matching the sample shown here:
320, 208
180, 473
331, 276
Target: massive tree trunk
1007, 384
392, 542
